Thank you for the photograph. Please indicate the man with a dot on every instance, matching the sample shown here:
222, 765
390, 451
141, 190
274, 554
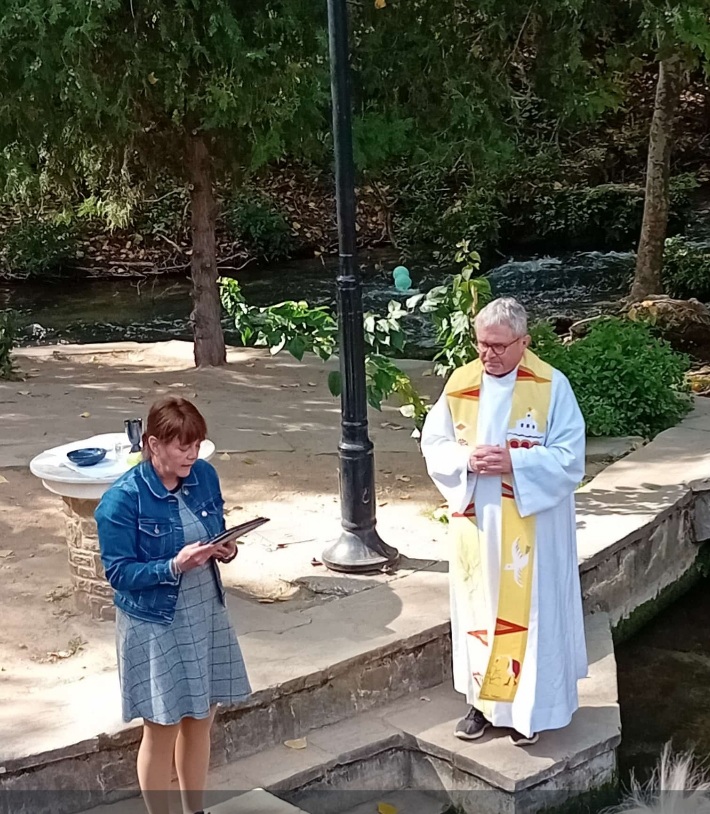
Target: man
505, 446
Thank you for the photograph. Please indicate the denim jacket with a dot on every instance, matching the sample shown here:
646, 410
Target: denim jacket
140, 532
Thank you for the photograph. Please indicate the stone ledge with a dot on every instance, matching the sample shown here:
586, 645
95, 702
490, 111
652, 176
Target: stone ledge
425, 725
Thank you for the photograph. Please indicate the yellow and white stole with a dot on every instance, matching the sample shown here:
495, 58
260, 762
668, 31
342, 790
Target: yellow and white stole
528, 423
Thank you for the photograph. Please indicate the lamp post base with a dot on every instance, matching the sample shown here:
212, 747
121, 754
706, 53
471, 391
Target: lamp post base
360, 553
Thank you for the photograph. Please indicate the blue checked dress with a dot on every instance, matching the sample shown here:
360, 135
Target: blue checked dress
171, 672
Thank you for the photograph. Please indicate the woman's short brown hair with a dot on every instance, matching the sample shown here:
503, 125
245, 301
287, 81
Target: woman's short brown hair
174, 417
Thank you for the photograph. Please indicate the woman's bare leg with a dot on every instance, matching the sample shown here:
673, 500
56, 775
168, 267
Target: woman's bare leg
192, 760
155, 765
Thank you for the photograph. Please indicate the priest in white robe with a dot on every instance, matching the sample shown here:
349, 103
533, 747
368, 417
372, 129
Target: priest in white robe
505, 446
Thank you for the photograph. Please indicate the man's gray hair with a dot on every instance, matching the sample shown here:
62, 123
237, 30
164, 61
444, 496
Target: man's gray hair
505, 311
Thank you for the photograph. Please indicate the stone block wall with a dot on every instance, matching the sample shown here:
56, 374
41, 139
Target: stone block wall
621, 579
92, 592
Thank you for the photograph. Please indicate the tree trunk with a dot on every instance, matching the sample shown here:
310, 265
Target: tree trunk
649, 261
207, 310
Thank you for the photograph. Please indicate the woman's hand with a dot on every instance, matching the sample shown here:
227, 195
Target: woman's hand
193, 555
225, 552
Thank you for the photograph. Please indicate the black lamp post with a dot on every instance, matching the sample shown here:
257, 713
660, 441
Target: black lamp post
360, 547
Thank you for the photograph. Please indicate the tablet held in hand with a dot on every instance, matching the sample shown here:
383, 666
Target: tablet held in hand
229, 535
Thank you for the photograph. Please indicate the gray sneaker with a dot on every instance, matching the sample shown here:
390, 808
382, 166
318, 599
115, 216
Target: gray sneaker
472, 726
522, 740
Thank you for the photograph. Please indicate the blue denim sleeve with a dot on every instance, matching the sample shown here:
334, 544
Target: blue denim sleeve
117, 521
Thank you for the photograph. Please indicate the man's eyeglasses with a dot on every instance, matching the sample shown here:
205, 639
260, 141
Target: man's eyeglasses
497, 349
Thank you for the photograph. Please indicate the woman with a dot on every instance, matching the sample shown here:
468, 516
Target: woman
178, 656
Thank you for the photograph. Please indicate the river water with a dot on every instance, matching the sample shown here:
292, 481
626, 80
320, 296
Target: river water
579, 285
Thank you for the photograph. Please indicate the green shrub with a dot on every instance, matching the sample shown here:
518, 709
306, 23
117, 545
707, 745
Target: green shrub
438, 205
604, 215
428, 217
686, 269
252, 219
627, 381
34, 248
8, 335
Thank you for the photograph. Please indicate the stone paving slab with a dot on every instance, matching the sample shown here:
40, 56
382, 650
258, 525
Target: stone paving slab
255, 403
633, 493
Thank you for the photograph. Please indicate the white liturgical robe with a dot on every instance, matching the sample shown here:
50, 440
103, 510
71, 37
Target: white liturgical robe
544, 479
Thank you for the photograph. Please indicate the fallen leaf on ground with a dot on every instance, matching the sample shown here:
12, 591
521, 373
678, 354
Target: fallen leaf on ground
85, 415
73, 647
425, 698
269, 432
155, 381
297, 743
225, 457
312, 384
274, 474
403, 478
316, 562
3, 479
386, 808
5, 553
247, 461
266, 601
62, 592
23, 392
404, 497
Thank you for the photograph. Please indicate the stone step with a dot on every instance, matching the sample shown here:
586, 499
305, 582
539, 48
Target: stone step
308, 669
406, 752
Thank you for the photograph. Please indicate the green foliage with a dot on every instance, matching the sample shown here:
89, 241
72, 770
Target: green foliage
299, 328
127, 84
686, 269
379, 139
293, 326
626, 380
252, 219
603, 215
452, 308
37, 248
438, 209
8, 336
